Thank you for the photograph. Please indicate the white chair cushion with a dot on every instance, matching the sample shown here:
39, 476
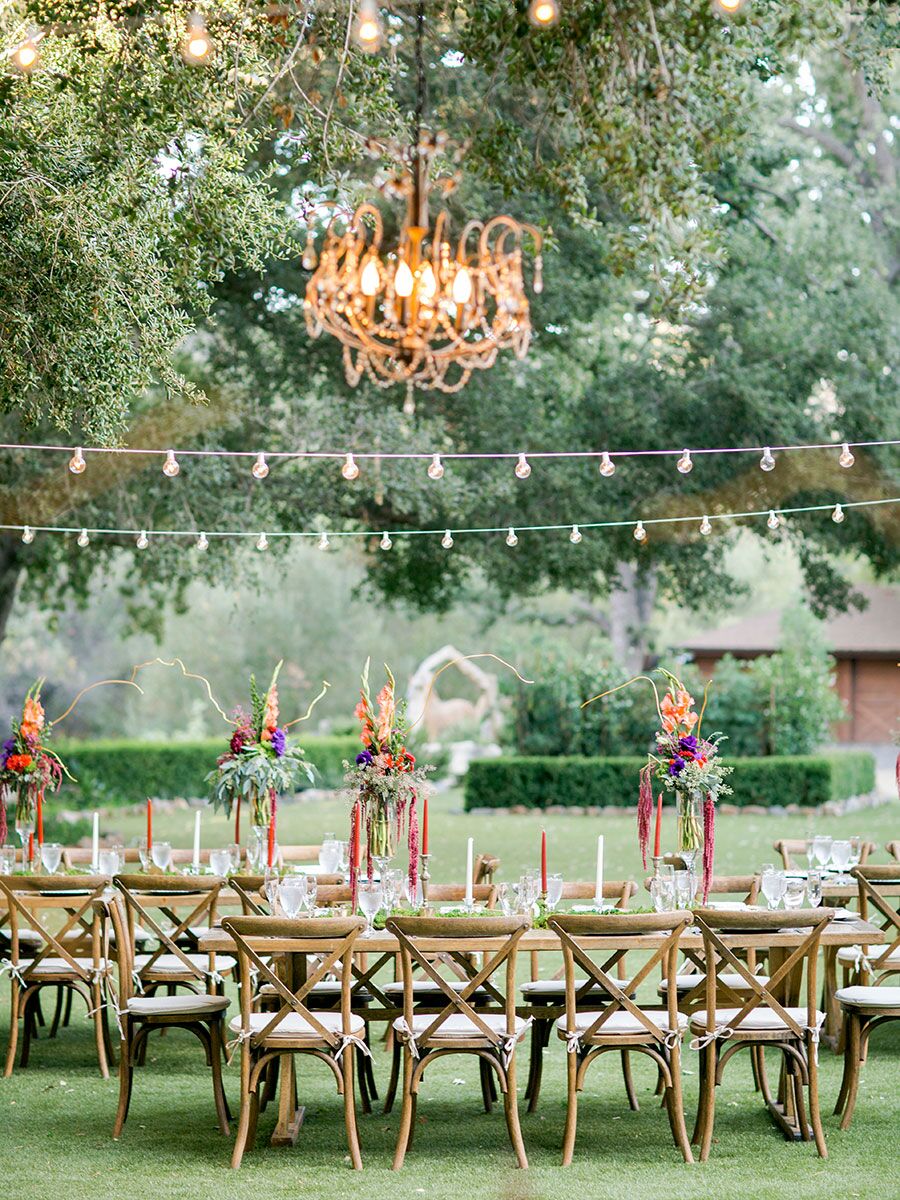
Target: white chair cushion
426, 987
171, 964
729, 979
295, 1027
183, 1005
850, 955
869, 997
759, 1018
537, 988
458, 1025
621, 1022
56, 966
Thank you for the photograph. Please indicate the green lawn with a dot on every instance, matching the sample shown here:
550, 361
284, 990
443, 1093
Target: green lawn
59, 1113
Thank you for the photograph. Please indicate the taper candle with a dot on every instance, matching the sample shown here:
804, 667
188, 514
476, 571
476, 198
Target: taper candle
598, 890
95, 843
543, 862
425, 825
197, 840
470, 867
658, 825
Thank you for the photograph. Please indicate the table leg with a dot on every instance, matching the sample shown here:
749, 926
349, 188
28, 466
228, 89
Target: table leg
292, 968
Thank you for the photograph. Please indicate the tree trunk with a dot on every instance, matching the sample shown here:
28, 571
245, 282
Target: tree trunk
631, 604
10, 569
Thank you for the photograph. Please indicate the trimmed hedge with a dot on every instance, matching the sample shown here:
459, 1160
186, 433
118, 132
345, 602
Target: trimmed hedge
808, 780
126, 772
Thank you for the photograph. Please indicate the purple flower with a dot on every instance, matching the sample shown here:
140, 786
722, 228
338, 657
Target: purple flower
8, 746
688, 743
365, 759
278, 742
677, 765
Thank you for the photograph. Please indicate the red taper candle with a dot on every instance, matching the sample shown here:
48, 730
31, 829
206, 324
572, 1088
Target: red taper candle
237, 821
31, 847
149, 824
544, 862
271, 859
40, 817
658, 825
425, 825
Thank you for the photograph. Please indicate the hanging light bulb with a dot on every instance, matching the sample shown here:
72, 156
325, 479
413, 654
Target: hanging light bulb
607, 466
262, 542
403, 280
523, 468
78, 463
170, 466
575, 536
260, 468
27, 535
83, 539
838, 515
202, 542
705, 526
350, 470
728, 7
684, 464
142, 541
846, 459
640, 533
198, 45
369, 30
511, 539
767, 462
447, 539
26, 56
543, 13
462, 286
435, 467
323, 543
773, 521
370, 279
385, 542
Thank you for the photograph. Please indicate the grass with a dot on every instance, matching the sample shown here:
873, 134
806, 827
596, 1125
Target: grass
59, 1112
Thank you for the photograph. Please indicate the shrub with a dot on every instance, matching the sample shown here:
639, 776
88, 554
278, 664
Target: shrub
551, 780
126, 772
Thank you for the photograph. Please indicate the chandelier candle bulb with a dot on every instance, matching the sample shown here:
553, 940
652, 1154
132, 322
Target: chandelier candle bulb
705, 526
846, 458
77, 463
436, 468
260, 468
607, 466
170, 466
462, 286
838, 515
598, 885
403, 280
350, 470
523, 467
767, 462
83, 539
685, 463
370, 279
772, 520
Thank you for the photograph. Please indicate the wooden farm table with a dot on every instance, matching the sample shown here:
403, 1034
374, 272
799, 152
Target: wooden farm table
383, 948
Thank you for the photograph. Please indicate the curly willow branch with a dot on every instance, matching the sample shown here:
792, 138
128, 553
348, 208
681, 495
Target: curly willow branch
627, 683
90, 687
176, 662
296, 721
454, 662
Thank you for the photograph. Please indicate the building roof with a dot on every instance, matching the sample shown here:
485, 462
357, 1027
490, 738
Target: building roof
873, 631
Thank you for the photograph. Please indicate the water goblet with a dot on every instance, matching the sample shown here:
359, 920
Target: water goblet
144, 854
7, 859
370, 897
108, 862
662, 893
330, 856
814, 889
344, 859
793, 893
810, 853
773, 887
51, 855
840, 856
506, 898
855, 850
684, 889
291, 895
220, 862
120, 851
312, 892
822, 849
554, 891
414, 897
161, 855
234, 853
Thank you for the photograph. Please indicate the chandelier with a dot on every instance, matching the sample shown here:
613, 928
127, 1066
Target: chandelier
428, 311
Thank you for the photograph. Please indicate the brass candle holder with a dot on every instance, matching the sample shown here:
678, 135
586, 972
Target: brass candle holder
424, 875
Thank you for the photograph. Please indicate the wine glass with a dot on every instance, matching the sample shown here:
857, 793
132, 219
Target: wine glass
822, 849
414, 897
234, 853
810, 853
840, 856
108, 862
144, 854
391, 883
292, 895
220, 862
161, 854
773, 887
7, 860
330, 856
814, 889
662, 893
370, 897
51, 855
554, 891
793, 893
312, 892
344, 859
855, 851
120, 851
270, 887
684, 889
506, 898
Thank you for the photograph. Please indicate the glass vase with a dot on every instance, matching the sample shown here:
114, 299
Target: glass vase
689, 830
382, 831
26, 811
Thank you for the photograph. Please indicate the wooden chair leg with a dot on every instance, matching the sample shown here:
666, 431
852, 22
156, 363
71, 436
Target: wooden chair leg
676, 1106
67, 1014
248, 1100
98, 1015
27, 1029
571, 1108
701, 1101
366, 1065
853, 1062
126, 1081
484, 1071
395, 1075
57, 1011
405, 1111
540, 1037
350, 1108
629, 1081
511, 1105
709, 1106
216, 1049
815, 1115
14, 1005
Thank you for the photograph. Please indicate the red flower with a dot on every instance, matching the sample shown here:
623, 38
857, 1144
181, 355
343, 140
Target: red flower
19, 762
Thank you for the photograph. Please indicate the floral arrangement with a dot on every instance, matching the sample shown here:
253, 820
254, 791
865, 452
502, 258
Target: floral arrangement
260, 763
686, 764
27, 767
384, 780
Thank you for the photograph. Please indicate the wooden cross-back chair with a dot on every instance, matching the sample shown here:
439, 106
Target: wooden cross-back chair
295, 1026
491, 1030
792, 849
486, 867
893, 849
763, 1015
299, 854
151, 901
137, 1016
615, 1022
547, 997
868, 1002
65, 956
83, 856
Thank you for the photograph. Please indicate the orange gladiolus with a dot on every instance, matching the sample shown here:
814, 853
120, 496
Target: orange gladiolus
33, 714
676, 711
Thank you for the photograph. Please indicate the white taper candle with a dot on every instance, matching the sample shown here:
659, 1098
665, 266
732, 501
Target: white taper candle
470, 867
197, 841
95, 843
598, 890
